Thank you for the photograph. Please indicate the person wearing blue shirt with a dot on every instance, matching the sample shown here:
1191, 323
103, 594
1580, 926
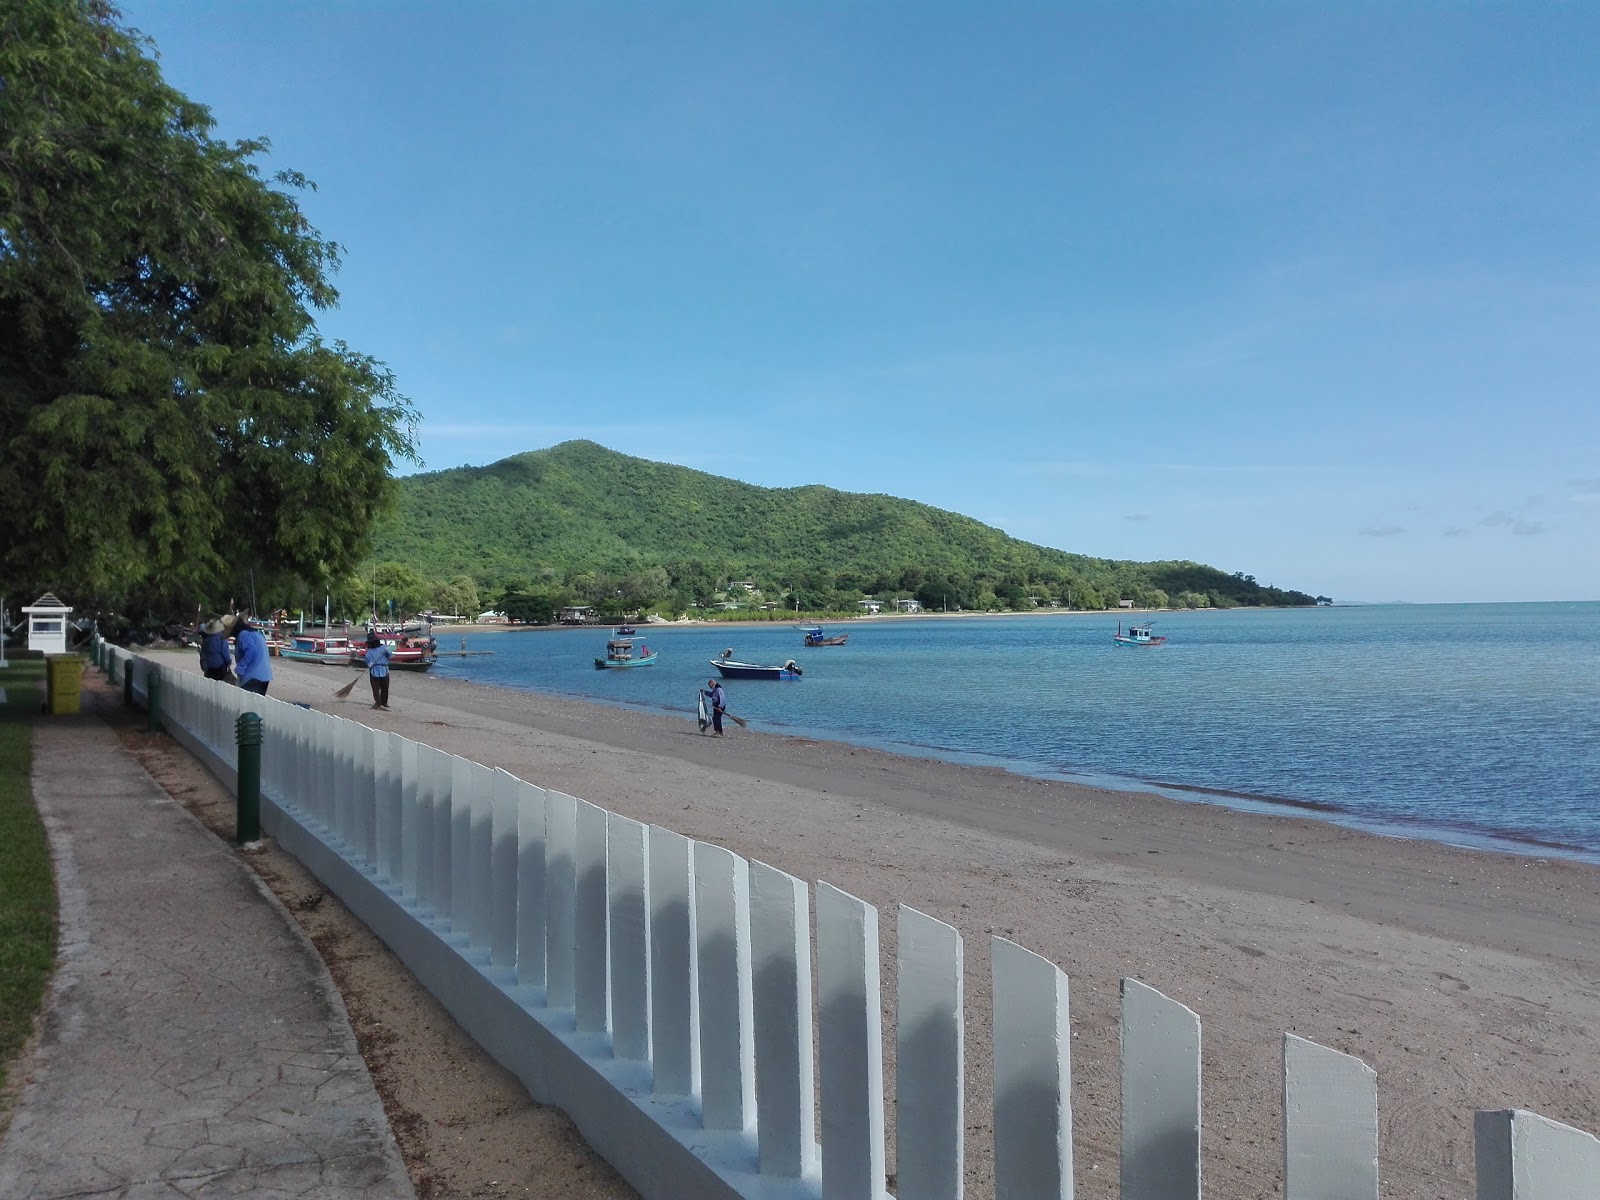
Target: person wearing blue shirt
214, 650
378, 655
250, 657
719, 703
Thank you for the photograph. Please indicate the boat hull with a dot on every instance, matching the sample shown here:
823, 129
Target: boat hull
739, 670
602, 664
309, 656
1124, 640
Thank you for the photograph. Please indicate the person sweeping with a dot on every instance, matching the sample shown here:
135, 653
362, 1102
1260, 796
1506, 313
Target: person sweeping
378, 654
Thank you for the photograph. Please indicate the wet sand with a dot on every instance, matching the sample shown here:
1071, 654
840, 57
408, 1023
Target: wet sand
1467, 979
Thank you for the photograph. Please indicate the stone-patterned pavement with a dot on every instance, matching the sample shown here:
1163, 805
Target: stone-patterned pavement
194, 1045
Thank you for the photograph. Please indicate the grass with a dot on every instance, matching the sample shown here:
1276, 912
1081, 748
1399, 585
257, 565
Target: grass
27, 884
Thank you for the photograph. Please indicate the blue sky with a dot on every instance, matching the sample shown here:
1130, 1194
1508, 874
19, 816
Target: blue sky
1308, 291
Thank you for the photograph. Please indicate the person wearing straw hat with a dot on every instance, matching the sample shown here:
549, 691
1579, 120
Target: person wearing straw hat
250, 656
214, 650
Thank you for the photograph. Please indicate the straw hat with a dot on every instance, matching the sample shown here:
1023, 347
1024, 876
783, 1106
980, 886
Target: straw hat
228, 622
212, 626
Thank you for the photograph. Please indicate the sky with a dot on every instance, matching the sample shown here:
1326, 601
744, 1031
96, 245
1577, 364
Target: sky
1309, 291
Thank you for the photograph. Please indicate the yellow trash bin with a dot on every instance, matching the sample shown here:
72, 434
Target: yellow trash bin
63, 682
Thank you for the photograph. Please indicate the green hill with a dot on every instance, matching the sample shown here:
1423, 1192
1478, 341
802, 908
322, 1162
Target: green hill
578, 523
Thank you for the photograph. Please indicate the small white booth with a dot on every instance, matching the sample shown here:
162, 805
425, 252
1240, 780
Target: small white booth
47, 624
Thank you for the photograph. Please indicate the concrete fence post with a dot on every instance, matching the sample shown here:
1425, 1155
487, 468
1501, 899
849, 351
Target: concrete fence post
461, 777
560, 884
591, 997
412, 840
780, 962
531, 915
722, 968
1032, 1077
386, 805
930, 1058
1330, 1124
1520, 1155
480, 913
1160, 1096
503, 871
851, 1050
674, 991
628, 930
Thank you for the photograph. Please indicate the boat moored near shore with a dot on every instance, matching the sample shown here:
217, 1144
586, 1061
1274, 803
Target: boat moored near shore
731, 668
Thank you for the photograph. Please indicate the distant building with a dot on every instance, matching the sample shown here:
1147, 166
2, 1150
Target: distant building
1124, 603
575, 614
908, 606
870, 606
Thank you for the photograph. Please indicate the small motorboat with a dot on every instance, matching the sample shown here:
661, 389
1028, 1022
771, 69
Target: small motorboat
621, 652
623, 631
814, 636
732, 668
1137, 635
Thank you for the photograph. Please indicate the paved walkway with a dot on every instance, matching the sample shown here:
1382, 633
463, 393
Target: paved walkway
194, 1045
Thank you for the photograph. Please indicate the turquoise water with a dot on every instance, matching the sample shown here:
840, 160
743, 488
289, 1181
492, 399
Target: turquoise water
1465, 723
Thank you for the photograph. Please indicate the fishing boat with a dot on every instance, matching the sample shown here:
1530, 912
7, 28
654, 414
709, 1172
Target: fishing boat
407, 652
814, 636
305, 647
731, 668
621, 652
623, 631
1137, 635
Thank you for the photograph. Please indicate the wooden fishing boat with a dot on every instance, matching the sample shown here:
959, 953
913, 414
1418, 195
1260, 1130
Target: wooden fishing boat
621, 652
305, 647
814, 636
733, 669
1137, 635
407, 652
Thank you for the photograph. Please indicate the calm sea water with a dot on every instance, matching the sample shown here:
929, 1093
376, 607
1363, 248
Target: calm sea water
1465, 723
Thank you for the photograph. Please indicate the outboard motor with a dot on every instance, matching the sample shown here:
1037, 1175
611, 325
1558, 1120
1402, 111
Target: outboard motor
791, 665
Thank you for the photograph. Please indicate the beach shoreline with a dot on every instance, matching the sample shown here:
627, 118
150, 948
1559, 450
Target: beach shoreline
1468, 979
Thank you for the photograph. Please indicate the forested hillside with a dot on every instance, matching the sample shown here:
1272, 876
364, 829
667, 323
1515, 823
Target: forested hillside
578, 523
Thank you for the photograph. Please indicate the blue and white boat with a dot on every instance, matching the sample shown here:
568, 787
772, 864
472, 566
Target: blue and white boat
621, 652
1137, 635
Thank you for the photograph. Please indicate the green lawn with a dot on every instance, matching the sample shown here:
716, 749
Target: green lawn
27, 886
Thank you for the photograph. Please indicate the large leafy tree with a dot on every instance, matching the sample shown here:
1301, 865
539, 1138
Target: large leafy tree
170, 420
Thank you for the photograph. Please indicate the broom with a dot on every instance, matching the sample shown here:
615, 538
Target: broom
347, 688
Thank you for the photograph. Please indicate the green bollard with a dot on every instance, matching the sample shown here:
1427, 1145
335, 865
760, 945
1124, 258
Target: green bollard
127, 687
248, 821
152, 701
111, 667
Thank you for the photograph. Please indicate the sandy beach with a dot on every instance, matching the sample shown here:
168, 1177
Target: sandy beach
1466, 979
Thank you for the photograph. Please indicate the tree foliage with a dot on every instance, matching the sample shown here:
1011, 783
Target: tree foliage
170, 421
601, 528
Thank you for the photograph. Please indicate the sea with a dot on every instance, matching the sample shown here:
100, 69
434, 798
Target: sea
1472, 724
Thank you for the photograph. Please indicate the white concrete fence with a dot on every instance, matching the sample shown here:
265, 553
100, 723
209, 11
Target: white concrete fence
660, 991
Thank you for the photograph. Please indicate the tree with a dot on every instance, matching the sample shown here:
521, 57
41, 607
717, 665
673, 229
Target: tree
169, 418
